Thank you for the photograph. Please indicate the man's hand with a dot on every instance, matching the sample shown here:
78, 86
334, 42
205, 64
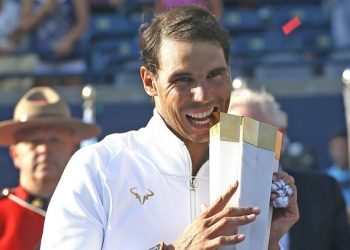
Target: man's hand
283, 218
217, 226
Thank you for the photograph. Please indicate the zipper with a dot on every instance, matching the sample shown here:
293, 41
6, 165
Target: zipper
193, 185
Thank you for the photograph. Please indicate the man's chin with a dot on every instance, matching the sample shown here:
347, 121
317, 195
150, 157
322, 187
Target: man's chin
47, 176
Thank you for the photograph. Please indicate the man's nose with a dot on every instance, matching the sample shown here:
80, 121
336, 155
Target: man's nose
200, 92
43, 147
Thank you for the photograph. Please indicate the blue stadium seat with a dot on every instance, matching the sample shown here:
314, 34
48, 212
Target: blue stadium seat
336, 63
131, 6
111, 55
248, 44
241, 20
283, 66
309, 14
111, 25
310, 39
276, 41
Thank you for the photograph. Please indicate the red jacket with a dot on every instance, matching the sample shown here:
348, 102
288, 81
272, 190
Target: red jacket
21, 220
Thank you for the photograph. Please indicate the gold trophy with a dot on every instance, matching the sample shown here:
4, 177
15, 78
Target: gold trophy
248, 151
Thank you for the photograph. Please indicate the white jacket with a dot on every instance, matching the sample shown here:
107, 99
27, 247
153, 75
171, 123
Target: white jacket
129, 191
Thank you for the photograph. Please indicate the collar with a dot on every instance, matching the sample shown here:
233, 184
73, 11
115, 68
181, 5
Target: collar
171, 148
34, 200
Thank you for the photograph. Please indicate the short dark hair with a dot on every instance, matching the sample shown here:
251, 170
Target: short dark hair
339, 134
187, 23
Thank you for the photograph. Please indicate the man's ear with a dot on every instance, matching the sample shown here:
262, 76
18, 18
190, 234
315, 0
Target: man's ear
148, 81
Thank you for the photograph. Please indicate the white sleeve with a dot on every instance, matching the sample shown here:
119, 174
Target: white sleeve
281, 246
76, 217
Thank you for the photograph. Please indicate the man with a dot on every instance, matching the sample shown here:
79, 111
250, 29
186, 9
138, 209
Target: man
322, 224
338, 149
137, 189
41, 137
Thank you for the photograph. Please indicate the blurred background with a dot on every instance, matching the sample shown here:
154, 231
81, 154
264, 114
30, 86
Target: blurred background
303, 69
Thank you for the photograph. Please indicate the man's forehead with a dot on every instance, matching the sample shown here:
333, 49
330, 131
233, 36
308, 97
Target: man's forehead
174, 54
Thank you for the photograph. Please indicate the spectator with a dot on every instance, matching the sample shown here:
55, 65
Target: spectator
214, 6
340, 22
55, 28
41, 138
322, 224
338, 148
9, 19
13, 60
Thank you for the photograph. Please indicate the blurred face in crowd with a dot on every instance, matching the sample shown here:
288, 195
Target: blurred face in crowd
41, 154
193, 81
251, 110
338, 147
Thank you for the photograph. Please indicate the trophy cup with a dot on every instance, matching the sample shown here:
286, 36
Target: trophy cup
248, 151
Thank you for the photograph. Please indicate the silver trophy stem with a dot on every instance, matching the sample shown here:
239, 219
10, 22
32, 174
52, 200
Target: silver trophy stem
346, 96
88, 94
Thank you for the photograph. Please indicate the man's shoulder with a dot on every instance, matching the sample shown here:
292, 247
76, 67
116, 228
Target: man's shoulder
118, 141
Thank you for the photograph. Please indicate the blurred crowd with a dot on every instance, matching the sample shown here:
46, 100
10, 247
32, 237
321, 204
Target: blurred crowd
69, 42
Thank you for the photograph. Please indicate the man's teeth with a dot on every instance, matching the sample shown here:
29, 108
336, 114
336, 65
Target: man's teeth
200, 122
200, 115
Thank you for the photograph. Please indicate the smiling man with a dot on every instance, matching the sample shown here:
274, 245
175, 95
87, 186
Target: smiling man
142, 188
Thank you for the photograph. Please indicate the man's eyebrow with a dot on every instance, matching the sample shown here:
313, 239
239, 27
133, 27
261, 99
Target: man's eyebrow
180, 74
219, 69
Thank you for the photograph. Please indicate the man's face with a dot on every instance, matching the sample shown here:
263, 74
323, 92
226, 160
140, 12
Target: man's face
193, 81
41, 154
339, 151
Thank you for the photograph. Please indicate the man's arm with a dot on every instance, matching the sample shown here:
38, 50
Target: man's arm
76, 218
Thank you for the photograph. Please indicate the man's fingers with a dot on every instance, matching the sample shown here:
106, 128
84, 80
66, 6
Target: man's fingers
204, 207
229, 225
222, 201
232, 212
225, 240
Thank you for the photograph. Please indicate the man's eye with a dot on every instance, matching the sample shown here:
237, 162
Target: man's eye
183, 80
55, 140
214, 75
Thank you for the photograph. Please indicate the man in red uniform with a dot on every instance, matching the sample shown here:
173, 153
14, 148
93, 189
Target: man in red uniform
41, 137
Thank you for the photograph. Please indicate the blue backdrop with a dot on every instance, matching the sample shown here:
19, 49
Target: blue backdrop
311, 121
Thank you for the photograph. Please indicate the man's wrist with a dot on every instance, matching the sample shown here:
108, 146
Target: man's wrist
276, 246
162, 246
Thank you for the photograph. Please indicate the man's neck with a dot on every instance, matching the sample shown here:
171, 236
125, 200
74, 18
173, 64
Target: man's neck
199, 153
42, 190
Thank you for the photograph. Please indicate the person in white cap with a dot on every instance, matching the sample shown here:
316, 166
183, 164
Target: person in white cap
41, 138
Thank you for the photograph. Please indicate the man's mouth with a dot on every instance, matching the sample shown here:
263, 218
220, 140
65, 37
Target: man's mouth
200, 118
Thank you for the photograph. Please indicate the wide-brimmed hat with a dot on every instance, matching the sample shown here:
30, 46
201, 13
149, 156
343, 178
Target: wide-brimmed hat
42, 106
